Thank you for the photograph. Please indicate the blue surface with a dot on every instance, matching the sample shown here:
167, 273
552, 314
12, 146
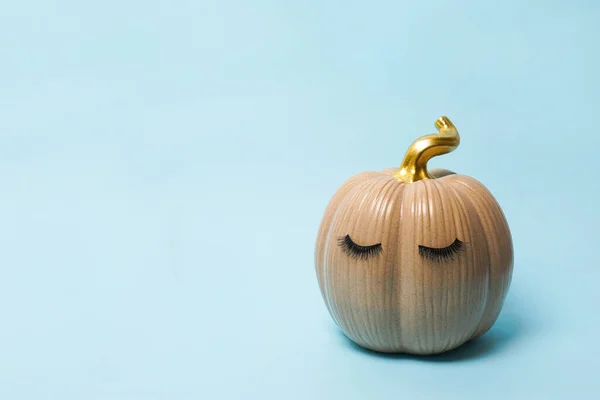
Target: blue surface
165, 166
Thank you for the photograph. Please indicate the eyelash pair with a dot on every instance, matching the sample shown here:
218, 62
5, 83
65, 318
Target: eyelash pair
359, 252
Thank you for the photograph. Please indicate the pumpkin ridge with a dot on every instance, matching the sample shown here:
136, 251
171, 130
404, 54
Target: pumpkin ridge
462, 199
349, 317
497, 222
428, 301
385, 200
395, 295
444, 200
377, 202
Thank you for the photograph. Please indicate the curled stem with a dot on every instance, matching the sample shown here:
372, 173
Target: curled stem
414, 165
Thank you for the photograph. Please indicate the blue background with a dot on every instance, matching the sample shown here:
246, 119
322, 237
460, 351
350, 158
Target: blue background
164, 167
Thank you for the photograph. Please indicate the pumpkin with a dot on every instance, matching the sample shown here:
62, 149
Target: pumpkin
412, 260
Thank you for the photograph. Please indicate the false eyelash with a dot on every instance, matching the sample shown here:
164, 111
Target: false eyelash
441, 254
356, 250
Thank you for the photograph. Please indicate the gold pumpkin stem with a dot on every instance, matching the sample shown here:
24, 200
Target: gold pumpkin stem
414, 165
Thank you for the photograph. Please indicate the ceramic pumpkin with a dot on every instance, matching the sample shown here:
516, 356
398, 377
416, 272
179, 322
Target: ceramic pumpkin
414, 261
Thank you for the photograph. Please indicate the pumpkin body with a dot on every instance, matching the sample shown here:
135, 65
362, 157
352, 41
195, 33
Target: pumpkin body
399, 300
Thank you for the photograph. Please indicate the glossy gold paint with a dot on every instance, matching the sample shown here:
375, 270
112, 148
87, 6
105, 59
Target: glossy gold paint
414, 165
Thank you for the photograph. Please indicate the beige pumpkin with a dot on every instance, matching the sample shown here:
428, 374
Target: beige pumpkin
414, 261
